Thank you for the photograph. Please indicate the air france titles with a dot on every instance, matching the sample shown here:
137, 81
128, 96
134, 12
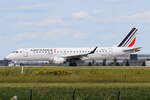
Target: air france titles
50, 50
47, 51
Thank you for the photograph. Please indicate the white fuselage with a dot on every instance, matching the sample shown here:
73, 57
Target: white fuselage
71, 55
48, 54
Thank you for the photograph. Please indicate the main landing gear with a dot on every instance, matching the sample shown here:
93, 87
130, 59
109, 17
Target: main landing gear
72, 64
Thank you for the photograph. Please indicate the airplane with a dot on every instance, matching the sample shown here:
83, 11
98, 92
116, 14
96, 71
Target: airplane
72, 55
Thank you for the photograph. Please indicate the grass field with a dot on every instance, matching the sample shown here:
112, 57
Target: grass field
89, 83
75, 74
83, 91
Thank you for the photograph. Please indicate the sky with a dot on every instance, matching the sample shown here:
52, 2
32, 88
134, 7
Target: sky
72, 23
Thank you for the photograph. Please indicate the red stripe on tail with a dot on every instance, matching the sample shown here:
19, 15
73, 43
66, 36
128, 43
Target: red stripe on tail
132, 43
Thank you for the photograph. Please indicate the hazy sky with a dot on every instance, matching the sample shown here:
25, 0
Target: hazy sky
72, 23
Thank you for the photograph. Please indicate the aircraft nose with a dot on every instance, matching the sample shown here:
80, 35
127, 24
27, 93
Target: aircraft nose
7, 58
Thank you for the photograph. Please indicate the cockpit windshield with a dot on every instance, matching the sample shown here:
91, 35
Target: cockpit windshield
15, 52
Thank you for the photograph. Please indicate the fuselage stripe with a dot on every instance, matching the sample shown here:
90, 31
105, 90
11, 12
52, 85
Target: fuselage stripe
129, 34
132, 43
127, 42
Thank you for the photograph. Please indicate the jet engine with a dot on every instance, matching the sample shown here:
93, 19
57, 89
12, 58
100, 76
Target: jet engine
57, 60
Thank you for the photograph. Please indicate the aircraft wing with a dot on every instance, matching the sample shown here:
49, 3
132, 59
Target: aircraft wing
78, 57
132, 50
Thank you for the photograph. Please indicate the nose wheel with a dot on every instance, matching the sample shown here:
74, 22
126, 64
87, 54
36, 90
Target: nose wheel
11, 64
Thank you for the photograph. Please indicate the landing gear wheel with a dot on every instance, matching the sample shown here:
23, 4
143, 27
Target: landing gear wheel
72, 64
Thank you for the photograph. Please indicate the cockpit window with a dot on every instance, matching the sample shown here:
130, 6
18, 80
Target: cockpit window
15, 52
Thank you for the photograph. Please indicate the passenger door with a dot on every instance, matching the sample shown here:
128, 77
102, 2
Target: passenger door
25, 53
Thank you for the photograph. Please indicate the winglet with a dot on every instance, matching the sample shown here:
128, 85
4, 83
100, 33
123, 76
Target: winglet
93, 50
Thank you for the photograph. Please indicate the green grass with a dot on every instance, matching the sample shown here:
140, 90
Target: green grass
83, 91
75, 74
89, 83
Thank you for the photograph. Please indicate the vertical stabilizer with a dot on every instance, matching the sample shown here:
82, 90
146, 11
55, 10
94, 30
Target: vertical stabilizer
130, 39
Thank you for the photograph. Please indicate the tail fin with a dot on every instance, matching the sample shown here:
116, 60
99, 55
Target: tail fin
130, 39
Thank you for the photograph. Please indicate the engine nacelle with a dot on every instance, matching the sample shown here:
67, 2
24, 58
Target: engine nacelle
57, 60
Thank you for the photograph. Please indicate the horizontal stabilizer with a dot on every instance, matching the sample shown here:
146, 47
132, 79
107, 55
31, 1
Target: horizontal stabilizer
133, 50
